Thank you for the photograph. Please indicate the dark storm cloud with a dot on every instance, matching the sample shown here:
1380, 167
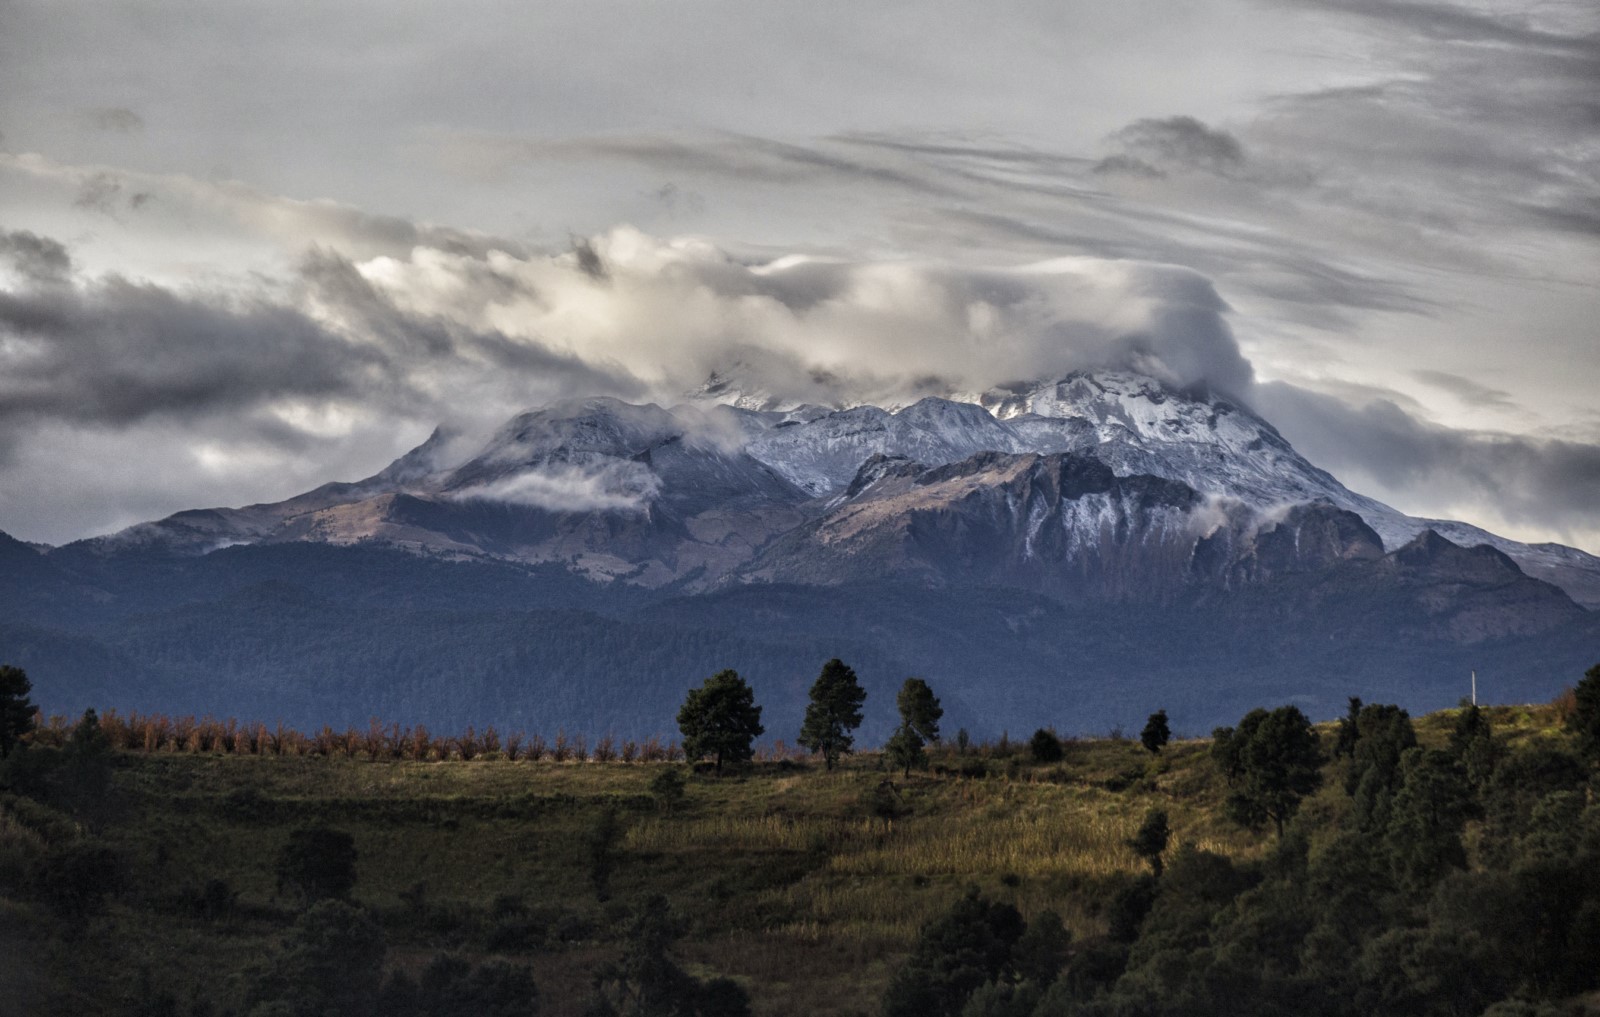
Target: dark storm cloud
37, 259
113, 353
116, 352
1128, 165
1551, 484
1179, 142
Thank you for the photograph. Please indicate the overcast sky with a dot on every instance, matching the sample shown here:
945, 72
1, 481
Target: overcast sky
247, 247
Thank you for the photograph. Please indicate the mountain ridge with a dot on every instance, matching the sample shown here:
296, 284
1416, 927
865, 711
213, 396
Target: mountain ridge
595, 558
704, 485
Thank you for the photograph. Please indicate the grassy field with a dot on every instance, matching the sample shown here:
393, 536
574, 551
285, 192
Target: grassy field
807, 886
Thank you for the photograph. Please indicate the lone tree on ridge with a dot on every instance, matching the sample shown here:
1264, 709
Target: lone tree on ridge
720, 719
1156, 733
834, 712
919, 724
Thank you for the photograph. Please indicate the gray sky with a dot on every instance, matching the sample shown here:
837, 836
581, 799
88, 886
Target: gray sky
249, 247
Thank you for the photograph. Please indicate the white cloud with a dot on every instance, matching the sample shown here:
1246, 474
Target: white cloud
828, 330
603, 487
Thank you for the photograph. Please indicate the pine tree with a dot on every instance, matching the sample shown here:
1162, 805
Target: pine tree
919, 709
1273, 760
834, 712
16, 712
1585, 718
904, 749
720, 719
919, 724
1151, 840
1156, 733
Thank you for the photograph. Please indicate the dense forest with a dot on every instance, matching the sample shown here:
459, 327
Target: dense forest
314, 635
1447, 864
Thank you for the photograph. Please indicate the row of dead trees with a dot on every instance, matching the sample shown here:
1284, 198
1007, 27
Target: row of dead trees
156, 732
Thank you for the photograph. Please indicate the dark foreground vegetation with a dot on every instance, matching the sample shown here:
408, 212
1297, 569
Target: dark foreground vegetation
1440, 865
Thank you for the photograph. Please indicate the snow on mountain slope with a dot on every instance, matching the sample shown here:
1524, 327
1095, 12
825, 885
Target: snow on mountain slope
1137, 425
701, 487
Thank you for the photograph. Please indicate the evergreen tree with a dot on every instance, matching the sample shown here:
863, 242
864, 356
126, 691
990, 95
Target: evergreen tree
904, 749
919, 710
833, 713
1585, 718
1424, 829
331, 963
1349, 729
955, 954
1150, 842
1156, 733
1384, 734
16, 711
1045, 747
720, 719
1472, 744
1275, 759
919, 724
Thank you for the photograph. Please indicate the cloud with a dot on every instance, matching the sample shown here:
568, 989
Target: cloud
277, 364
116, 119
607, 487
99, 193
1155, 146
1520, 482
37, 260
1465, 389
820, 329
292, 222
371, 352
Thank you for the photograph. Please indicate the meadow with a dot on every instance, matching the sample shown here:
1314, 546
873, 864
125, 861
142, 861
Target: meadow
806, 886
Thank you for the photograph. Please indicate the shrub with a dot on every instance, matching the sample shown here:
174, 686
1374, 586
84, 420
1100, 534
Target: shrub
317, 863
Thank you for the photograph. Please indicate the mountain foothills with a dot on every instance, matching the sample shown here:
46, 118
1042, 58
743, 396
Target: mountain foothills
1074, 551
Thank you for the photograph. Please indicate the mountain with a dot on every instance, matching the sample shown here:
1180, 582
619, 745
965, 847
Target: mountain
1118, 543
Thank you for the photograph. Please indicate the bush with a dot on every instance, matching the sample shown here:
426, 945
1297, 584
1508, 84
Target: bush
75, 878
317, 863
1045, 747
331, 962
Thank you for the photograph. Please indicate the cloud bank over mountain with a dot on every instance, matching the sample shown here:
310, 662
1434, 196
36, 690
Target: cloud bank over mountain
348, 356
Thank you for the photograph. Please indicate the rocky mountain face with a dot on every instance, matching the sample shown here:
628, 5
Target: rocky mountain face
1163, 522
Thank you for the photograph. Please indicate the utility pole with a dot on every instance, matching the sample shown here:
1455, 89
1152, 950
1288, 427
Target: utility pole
1474, 687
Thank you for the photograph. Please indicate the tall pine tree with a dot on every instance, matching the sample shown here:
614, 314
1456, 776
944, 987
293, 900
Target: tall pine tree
834, 712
